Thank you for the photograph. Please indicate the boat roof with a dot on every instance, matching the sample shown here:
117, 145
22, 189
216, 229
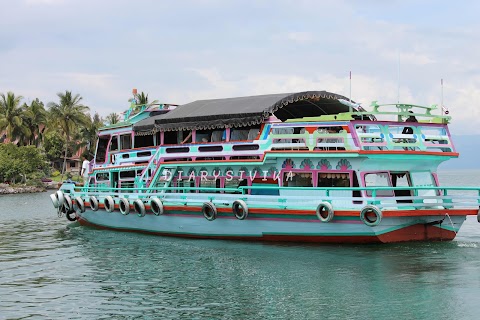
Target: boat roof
243, 111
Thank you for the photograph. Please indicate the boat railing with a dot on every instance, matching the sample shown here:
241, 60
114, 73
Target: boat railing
393, 136
436, 198
132, 156
364, 135
150, 170
318, 140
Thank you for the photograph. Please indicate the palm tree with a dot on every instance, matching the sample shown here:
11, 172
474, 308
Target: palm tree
140, 100
67, 115
112, 118
89, 134
11, 116
35, 118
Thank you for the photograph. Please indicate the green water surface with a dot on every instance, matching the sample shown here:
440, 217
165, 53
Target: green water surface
51, 269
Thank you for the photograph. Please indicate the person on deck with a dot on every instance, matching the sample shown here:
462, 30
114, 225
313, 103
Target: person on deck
409, 130
411, 118
85, 169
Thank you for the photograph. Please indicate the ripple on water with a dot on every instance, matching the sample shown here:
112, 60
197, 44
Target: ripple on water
48, 270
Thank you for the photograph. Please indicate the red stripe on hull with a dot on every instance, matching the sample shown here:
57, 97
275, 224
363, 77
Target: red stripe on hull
418, 232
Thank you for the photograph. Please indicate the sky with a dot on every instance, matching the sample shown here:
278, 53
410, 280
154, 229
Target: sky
182, 51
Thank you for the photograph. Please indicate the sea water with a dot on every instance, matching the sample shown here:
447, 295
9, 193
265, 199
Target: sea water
52, 269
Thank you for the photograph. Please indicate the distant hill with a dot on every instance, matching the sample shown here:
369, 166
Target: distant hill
469, 148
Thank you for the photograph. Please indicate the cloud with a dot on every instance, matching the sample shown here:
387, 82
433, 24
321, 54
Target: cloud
178, 52
299, 37
44, 2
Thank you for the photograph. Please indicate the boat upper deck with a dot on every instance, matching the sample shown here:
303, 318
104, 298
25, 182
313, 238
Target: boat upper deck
249, 128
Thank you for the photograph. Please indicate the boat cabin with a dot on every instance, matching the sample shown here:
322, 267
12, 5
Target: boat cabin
294, 141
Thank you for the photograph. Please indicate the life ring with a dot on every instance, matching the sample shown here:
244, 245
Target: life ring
80, 204
109, 204
367, 219
60, 197
209, 211
139, 207
157, 206
325, 212
240, 209
54, 199
124, 206
93, 203
68, 202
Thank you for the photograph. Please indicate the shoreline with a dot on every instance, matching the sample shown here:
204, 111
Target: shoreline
7, 189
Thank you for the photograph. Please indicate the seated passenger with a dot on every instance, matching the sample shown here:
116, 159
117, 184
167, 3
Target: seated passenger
409, 130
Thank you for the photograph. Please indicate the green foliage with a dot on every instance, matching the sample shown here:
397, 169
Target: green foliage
53, 144
140, 100
11, 116
68, 115
89, 134
34, 179
35, 119
112, 118
55, 173
20, 163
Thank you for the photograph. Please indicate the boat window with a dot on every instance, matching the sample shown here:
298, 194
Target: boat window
297, 179
424, 179
239, 134
244, 133
144, 154
185, 136
242, 147
203, 135
127, 174
125, 141
253, 133
356, 193
234, 183
114, 143
378, 179
328, 180
210, 148
178, 150
400, 179
102, 148
258, 185
219, 135
170, 137
210, 183
102, 176
143, 141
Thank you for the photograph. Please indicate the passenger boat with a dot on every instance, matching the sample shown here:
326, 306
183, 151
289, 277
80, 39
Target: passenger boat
304, 167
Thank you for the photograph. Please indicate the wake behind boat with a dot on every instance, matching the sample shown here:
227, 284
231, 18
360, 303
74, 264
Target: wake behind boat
305, 167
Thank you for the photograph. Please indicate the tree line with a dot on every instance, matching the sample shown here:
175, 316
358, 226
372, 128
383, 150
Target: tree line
46, 135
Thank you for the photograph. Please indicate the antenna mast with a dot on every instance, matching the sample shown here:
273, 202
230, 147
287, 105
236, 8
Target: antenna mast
441, 84
350, 98
398, 77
